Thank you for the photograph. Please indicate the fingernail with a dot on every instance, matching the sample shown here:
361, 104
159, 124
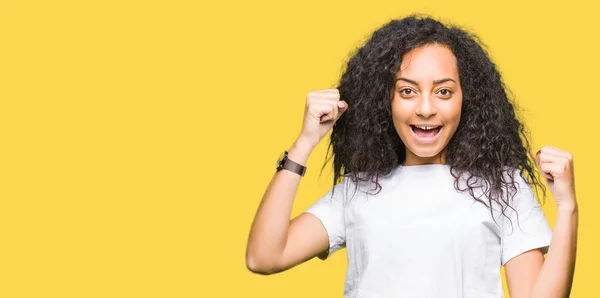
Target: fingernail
341, 104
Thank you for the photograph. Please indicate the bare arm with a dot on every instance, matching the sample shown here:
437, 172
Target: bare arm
521, 272
529, 275
276, 243
556, 276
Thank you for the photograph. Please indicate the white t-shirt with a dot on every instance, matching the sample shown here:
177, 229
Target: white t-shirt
420, 237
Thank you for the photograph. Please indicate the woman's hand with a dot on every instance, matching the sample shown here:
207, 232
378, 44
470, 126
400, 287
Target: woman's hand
323, 109
557, 168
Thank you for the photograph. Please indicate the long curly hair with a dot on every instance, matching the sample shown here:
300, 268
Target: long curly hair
489, 139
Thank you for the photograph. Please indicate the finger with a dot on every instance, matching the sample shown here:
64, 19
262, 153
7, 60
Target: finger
325, 111
330, 95
339, 106
335, 111
318, 95
548, 176
552, 170
541, 158
547, 158
546, 169
342, 109
330, 100
327, 100
555, 151
550, 158
547, 151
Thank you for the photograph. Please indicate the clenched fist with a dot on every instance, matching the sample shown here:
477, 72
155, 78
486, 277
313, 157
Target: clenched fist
557, 167
323, 109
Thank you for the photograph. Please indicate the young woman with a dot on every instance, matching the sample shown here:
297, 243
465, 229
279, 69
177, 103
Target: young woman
438, 174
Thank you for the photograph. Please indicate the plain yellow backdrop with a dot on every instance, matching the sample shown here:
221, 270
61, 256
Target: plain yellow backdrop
138, 137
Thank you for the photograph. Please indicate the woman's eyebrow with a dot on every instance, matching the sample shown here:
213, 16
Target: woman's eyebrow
436, 82
407, 80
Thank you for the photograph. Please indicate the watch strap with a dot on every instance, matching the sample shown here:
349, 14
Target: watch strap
294, 167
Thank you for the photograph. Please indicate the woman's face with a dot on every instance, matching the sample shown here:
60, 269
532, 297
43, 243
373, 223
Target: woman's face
427, 103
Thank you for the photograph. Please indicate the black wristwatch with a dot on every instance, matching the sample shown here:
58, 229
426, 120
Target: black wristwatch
284, 163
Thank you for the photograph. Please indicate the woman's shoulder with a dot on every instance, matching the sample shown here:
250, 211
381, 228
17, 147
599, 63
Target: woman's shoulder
369, 177
516, 175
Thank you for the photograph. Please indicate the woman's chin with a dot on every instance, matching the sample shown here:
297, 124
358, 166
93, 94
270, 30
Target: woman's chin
429, 153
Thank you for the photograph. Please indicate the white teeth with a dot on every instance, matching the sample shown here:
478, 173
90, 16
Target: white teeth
426, 127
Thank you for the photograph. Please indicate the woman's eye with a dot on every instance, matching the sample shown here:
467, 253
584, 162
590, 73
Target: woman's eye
445, 92
405, 91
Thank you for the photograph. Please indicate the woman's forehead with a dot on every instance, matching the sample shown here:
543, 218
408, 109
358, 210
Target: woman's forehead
429, 62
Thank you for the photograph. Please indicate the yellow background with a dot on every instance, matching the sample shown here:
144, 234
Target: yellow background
138, 137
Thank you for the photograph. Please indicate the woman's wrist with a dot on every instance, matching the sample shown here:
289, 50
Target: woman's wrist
570, 208
300, 151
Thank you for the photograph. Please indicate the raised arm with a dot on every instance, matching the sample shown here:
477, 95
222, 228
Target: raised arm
277, 243
528, 274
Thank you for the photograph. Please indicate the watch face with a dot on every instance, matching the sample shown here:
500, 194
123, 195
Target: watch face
279, 163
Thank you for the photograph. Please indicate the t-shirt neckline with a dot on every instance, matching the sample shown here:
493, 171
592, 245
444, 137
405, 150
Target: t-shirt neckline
421, 168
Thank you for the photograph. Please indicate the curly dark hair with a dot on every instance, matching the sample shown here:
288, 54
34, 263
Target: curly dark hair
489, 139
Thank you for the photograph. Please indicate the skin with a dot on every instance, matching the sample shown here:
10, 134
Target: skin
427, 92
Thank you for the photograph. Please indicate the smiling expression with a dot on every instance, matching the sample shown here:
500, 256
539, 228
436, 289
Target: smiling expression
426, 104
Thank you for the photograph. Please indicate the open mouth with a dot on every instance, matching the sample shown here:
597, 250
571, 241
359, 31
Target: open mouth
426, 132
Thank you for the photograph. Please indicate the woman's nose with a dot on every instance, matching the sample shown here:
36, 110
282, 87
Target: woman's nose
425, 107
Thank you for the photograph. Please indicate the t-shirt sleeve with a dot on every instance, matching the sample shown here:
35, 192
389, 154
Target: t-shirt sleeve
330, 211
531, 231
